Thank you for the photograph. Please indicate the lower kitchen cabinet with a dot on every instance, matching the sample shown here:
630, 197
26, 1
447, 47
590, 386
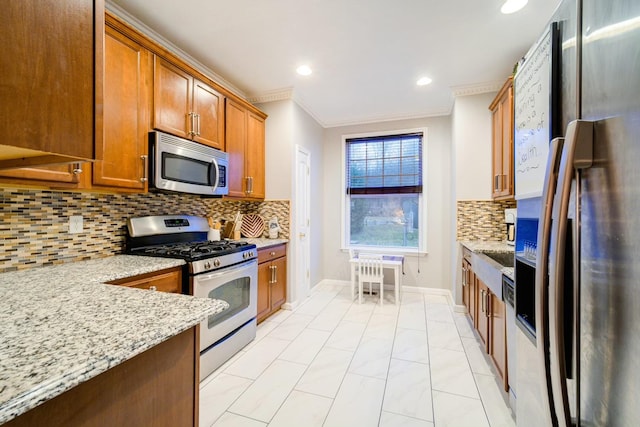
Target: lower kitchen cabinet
272, 280
159, 387
169, 280
498, 334
482, 322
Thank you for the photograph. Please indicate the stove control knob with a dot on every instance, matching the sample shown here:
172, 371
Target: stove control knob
207, 265
216, 263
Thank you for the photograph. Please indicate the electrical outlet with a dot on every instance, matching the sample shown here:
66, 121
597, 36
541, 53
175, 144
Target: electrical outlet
75, 224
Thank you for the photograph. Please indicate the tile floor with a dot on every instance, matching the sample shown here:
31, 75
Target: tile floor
335, 363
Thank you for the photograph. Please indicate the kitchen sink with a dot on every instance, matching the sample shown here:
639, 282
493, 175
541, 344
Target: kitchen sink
503, 258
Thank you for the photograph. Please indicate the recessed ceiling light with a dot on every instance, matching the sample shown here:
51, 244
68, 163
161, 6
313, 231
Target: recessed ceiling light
303, 70
423, 81
511, 6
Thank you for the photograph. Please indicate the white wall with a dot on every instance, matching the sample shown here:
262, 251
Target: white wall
471, 136
289, 125
434, 267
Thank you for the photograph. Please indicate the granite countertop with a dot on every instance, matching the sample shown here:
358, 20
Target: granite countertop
491, 247
62, 326
264, 242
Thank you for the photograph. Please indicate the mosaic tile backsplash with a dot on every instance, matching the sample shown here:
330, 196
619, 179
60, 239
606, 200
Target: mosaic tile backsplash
482, 220
34, 223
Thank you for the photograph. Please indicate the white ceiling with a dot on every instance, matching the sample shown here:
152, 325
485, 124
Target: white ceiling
366, 55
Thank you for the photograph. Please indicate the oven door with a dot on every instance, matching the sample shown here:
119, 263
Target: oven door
238, 286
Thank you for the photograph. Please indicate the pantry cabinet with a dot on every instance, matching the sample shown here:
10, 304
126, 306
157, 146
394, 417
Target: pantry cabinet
185, 106
127, 98
168, 280
245, 136
272, 280
51, 91
502, 184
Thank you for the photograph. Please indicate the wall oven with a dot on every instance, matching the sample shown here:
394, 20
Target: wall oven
225, 270
185, 166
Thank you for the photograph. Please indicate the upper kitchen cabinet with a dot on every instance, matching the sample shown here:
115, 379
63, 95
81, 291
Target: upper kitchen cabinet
502, 187
51, 90
127, 99
245, 136
185, 106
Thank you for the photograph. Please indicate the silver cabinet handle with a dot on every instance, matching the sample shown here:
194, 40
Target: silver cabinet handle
197, 124
496, 185
482, 300
153, 288
248, 190
145, 167
275, 274
192, 124
487, 295
77, 168
464, 276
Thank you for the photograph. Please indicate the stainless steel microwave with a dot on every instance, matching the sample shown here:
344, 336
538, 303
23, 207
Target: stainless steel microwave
185, 166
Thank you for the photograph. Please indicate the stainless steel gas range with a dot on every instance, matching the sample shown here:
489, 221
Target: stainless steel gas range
225, 270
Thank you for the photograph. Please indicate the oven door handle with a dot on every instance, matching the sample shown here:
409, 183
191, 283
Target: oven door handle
227, 270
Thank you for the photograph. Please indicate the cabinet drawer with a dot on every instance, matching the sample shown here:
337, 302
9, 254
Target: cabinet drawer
165, 281
273, 252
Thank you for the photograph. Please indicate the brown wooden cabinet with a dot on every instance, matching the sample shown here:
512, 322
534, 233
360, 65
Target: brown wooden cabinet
51, 91
272, 280
498, 333
127, 96
69, 176
245, 135
168, 280
502, 185
482, 322
185, 106
469, 286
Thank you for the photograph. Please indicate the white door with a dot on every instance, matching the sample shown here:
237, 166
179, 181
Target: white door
302, 222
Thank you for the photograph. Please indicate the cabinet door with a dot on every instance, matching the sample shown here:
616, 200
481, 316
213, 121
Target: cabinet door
60, 176
172, 89
209, 107
126, 115
235, 139
506, 111
254, 161
264, 290
473, 297
498, 342
465, 284
483, 312
279, 287
51, 75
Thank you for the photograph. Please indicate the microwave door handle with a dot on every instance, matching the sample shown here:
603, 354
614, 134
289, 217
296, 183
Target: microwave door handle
578, 153
541, 277
214, 174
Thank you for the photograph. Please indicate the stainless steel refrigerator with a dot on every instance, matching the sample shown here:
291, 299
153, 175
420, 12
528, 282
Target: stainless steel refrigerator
578, 244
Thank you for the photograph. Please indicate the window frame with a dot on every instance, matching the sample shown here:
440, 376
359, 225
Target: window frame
422, 197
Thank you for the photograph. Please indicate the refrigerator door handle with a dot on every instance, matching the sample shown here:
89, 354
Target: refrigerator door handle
578, 147
541, 279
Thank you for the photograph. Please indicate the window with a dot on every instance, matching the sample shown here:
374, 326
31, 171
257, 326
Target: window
384, 191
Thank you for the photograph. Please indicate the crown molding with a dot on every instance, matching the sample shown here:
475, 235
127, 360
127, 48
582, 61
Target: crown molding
171, 47
272, 96
476, 88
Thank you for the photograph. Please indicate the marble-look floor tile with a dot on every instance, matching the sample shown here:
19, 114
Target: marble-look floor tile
358, 402
234, 420
381, 326
387, 419
324, 375
346, 336
450, 372
458, 411
372, 357
263, 398
477, 356
305, 347
331, 316
291, 327
443, 335
412, 318
359, 313
262, 331
436, 299
254, 361
302, 409
463, 323
315, 304
493, 400
411, 345
218, 394
439, 313
222, 367
408, 390
280, 316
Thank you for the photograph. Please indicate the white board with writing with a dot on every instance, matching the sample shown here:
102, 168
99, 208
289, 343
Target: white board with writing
532, 118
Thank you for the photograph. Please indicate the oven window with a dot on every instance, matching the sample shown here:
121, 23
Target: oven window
236, 293
184, 169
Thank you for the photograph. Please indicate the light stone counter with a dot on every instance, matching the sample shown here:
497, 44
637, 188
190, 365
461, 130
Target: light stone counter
491, 247
61, 326
264, 242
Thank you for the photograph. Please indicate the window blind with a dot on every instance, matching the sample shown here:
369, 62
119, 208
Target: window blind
384, 164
